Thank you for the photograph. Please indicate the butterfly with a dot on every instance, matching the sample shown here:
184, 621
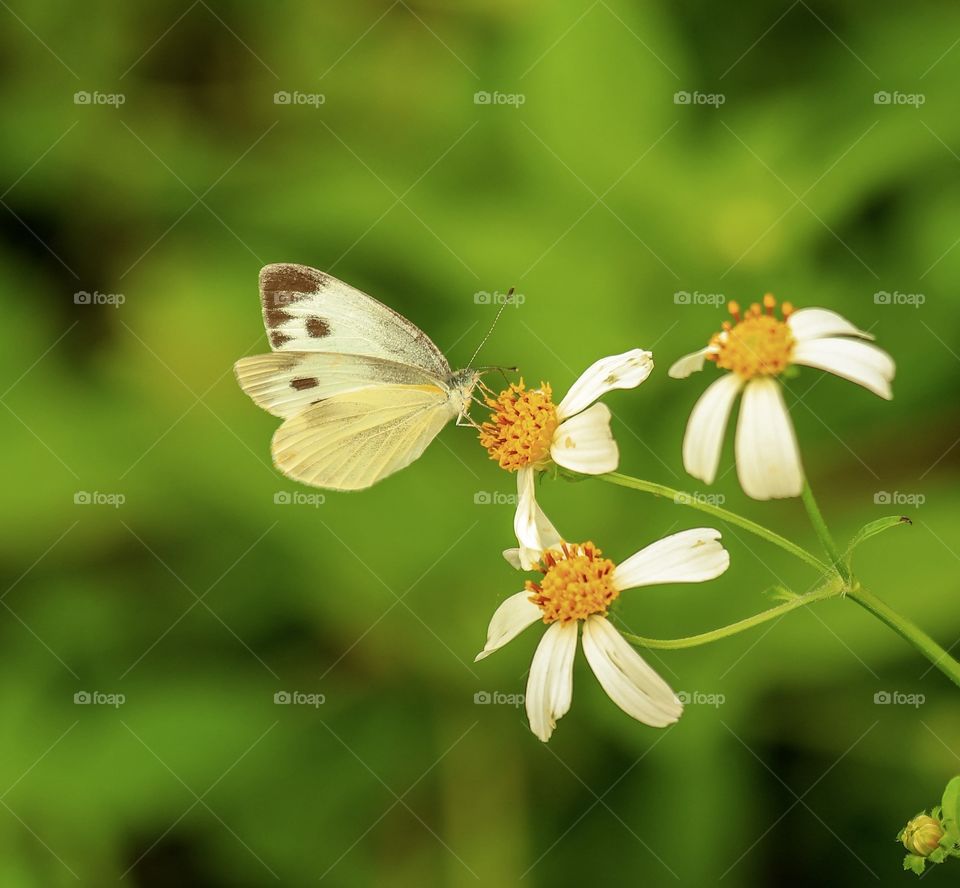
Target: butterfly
362, 390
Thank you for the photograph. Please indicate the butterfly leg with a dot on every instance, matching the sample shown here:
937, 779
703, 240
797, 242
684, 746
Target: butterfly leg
466, 420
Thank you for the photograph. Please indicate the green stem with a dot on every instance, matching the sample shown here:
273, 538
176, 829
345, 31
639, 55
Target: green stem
686, 499
829, 590
841, 582
908, 631
823, 532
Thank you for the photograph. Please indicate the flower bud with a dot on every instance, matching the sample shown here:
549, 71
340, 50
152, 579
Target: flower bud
922, 835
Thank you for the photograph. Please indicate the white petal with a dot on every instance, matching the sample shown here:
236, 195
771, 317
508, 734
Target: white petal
768, 459
703, 440
691, 556
534, 531
815, 323
550, 685
859, 362
508, 621
585, 443
624, 371
626, 677
692, 363
512, 557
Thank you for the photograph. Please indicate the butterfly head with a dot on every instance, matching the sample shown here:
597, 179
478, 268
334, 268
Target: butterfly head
462, 383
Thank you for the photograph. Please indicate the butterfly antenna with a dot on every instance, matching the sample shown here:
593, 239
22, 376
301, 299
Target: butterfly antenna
503, 305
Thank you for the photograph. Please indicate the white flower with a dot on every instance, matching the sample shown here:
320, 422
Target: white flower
577, 588
756, 350
527, 433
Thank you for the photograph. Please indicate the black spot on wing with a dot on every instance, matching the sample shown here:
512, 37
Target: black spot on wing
303, 382
277, 339
317, 328
282, 285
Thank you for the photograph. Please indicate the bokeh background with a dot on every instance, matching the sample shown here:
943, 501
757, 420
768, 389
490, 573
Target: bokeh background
151, 551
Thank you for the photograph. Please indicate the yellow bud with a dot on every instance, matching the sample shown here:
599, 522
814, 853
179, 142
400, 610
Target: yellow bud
922, 835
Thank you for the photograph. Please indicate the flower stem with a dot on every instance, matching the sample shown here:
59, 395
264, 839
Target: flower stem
828, 590
908, 631
687, 499
839, 582
823, 532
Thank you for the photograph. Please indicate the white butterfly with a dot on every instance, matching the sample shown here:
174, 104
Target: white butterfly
361, 389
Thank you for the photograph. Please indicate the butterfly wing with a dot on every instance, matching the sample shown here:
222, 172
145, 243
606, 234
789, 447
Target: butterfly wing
306, 310
352, 440
284, 383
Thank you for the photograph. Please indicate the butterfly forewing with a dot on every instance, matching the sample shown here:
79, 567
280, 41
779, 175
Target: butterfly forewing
306, 310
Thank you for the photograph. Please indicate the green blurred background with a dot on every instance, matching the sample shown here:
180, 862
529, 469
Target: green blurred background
599, 196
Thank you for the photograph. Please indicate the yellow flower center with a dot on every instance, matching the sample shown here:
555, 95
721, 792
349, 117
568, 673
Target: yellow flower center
758, 344
520, 430
576, 583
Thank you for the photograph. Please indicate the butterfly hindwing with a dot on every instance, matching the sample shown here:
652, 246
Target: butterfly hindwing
352, 440
284, 383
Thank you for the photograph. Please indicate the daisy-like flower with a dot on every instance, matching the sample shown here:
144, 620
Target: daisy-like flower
756, 349
528, 432
577, 588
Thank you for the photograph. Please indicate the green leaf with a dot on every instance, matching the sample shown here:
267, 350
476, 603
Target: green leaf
951, 805
914, 864
781, 593
873, 528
